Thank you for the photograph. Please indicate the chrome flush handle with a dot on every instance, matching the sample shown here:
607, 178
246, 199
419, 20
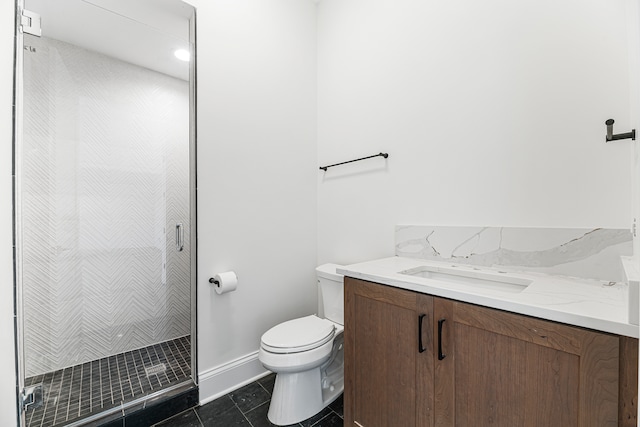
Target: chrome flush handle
179, 237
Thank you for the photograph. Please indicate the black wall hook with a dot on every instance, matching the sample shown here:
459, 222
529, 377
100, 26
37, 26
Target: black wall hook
616, 137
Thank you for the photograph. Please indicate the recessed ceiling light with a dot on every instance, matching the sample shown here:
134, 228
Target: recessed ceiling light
182, 55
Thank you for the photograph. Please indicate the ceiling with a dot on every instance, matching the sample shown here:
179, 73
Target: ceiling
141, 32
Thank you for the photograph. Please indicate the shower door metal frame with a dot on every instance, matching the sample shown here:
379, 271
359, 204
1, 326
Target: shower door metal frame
18, 82
18, 129
193, 192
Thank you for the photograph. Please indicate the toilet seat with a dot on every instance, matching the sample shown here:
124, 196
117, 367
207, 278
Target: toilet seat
298, 335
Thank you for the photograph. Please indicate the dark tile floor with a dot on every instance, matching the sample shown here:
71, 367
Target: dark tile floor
80, 391
248, 407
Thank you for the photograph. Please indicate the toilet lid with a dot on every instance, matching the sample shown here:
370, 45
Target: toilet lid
294, 336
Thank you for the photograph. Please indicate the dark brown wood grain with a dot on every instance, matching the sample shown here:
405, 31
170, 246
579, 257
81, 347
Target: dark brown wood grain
599, 382
425, 398
513, 370
551, 386
381, 350
503, 381
444, 370
501, 369
537, 331
628, 399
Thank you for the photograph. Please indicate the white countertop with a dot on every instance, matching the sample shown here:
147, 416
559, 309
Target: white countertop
581, 302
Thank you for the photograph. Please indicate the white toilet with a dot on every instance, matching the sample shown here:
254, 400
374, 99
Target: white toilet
307, 355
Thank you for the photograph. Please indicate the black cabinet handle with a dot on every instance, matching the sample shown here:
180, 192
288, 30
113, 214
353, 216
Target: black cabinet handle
421, 348
440, 354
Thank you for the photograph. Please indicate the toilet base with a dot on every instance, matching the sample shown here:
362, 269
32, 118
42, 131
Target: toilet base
296, 397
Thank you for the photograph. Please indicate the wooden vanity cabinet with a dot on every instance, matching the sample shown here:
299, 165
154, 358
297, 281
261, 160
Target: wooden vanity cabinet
387, 376
475, 366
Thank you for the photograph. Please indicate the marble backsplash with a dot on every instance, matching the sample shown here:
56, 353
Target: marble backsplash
576, 252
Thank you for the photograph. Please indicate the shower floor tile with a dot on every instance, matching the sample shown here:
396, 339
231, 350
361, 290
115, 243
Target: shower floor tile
84, 390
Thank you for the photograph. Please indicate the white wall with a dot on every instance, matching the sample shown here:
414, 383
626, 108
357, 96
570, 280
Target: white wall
257, 168
492, 112
7, 359
633, 30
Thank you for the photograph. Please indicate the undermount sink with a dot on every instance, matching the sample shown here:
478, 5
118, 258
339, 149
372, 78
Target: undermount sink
491, 281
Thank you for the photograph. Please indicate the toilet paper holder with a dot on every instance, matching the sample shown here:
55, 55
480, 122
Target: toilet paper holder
616, 137
224, 282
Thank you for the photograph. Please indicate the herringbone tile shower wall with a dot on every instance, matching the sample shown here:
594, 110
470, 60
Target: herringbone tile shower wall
104, 180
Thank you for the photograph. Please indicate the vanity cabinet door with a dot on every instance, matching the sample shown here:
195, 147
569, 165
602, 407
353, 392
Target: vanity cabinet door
417, 360
504, 369
388, 368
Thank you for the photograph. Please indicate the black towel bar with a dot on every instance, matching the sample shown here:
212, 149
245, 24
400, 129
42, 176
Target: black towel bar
385, 155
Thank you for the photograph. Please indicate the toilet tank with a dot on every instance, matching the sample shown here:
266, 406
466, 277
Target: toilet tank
331, 287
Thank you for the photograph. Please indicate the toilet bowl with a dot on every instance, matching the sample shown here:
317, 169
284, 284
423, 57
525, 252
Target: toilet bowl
307, 356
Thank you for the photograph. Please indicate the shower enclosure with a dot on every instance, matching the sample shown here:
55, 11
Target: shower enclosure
104, 218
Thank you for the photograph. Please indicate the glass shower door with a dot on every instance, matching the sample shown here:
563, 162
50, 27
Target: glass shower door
103, 214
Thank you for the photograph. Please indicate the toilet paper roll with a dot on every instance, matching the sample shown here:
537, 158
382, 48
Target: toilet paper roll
225, 282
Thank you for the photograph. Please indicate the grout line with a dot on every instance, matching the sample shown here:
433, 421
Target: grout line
46, 405
184, 347
155, 350
90, 386
245, 417
126, 365
55, 414
110, 382
143, 370
331, 411
179, 414
100, 377
187, 353
198, 417
119, 377
176, 358
151, 363
168, 363
158, 379
265, 389
181, 354
73, 369
255, 407
173, 360
137, 371
80, 394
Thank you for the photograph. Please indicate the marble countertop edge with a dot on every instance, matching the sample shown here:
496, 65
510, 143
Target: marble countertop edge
578, 302
631, 269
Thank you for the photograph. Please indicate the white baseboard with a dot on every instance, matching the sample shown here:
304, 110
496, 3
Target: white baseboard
218, 381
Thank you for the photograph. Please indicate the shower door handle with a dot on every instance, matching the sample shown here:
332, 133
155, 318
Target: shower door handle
179, 237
